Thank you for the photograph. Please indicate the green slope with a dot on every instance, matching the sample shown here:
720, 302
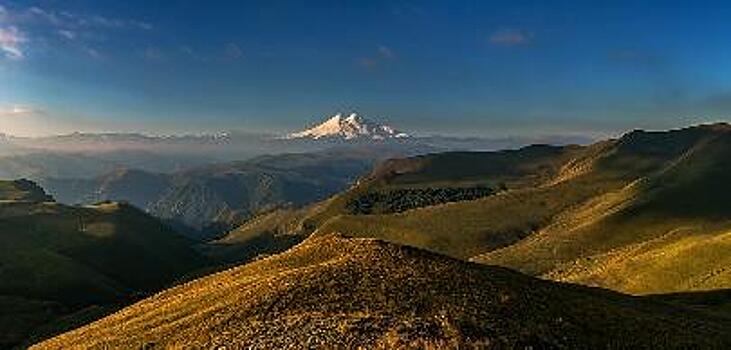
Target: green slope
419, 227
56, 260
668, 232
528, 196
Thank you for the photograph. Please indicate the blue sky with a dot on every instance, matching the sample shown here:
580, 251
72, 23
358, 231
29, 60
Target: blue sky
454, 67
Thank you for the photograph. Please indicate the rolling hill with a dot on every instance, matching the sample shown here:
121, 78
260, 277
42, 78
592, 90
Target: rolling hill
644, 213
334, 291
59, 263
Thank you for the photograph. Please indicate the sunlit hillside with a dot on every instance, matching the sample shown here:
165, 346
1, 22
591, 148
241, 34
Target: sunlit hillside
630, 214
332, 291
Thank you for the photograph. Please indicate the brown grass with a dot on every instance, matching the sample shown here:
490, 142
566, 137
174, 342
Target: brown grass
336, 292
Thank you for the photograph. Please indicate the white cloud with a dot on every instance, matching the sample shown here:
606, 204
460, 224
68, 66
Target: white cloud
11, 40
45, 27
92, 52
50, 17
141, 25
67, 34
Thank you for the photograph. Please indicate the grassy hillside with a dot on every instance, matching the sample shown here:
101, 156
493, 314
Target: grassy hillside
645, 213
419, 227
56, 260
525, 199
667, 232
338, 292
527, 166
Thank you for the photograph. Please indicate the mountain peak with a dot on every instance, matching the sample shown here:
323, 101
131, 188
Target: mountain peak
354, 126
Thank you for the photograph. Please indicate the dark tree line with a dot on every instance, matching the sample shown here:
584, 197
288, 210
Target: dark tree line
396, 201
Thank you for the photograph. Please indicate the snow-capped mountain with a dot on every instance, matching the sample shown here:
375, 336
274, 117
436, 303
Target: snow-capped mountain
351, 127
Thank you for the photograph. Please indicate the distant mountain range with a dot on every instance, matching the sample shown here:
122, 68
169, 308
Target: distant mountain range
337, 130
119, 137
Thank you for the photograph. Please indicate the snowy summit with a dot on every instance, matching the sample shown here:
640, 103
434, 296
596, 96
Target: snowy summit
349, 128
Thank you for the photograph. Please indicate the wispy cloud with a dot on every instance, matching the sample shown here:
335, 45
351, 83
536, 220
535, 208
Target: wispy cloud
67, 34
19, 111
43, 27
141, 25
11, 40
229, 52
92, 52
67, 19
511, 37
39, 13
